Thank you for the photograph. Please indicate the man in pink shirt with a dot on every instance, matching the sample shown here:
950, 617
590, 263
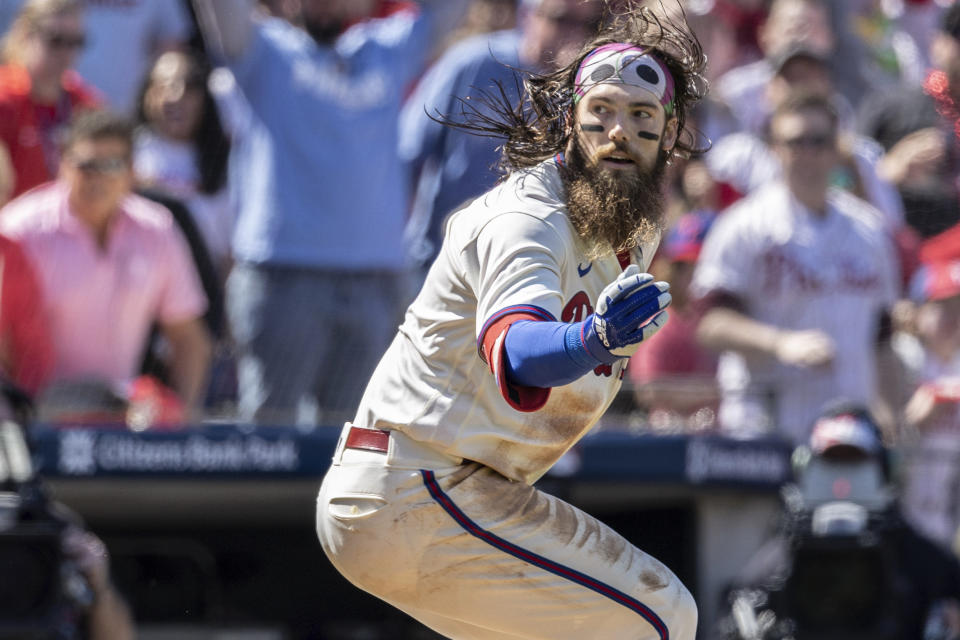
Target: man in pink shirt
110, 264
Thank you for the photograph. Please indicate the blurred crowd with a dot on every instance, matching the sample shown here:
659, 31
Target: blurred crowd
219, 211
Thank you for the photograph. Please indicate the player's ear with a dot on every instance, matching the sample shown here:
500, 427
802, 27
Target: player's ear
670, 132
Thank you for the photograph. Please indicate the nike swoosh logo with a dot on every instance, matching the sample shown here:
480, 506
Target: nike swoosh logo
584, 270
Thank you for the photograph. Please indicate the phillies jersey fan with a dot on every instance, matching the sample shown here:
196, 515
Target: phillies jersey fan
796, 281
512, 351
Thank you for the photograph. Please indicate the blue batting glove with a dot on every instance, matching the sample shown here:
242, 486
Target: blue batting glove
629, 310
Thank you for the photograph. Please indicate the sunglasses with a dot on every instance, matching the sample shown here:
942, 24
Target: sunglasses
64, 40
112, 164
814, 142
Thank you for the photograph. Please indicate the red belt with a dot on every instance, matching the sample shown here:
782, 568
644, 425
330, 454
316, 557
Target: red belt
368, 439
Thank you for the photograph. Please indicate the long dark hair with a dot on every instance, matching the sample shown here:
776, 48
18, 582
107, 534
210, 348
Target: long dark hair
540, 125
209, 138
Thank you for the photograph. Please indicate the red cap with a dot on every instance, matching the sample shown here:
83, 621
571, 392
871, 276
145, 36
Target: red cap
685, 238
850, 431
938, 280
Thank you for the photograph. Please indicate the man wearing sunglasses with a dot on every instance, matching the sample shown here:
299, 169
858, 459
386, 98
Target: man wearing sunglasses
110, 265
39, 89
797, 278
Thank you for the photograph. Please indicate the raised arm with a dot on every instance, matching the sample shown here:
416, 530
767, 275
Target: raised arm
446, 14
226, 25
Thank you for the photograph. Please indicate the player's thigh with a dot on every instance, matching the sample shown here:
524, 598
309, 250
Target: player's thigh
521, 562
374, 523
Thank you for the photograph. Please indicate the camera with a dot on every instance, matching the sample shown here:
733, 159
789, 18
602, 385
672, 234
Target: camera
843, 562
838, 574
840, 583
42, 593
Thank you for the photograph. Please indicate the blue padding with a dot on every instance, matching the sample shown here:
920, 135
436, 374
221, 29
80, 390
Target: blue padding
546, 354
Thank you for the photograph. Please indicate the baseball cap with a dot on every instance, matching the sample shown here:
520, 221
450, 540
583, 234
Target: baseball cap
850, 434
792, 52
936, 280
685, 238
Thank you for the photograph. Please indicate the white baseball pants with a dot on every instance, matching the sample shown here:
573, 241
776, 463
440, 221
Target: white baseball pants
474, 555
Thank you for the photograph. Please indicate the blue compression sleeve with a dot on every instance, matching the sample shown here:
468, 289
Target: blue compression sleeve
547, 354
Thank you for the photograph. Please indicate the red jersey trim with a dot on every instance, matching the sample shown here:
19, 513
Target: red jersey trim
521, 398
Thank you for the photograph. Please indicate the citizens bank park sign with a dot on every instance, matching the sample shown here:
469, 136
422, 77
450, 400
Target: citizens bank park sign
97, 452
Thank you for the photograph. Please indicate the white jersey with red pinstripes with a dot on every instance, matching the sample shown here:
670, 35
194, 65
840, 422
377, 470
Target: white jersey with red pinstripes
510, 254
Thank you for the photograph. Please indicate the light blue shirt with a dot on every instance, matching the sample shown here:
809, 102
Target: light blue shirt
451, 166
315, 172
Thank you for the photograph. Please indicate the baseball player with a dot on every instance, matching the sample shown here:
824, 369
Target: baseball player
512, 351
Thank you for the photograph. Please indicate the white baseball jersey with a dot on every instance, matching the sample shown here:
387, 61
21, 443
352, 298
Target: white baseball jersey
796, 271
512, 251
930, 495
444, 523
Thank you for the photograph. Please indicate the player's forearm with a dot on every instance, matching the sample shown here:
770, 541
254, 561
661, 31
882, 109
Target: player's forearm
227, 26
546, 354
723, 329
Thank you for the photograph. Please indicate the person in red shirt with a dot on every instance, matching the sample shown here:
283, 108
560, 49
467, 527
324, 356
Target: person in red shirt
26, 347
39, 91
674, 378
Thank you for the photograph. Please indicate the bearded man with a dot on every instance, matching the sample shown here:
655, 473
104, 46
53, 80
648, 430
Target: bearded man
503, 363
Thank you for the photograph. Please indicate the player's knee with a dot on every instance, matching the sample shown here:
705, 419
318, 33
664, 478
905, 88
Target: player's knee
682, 622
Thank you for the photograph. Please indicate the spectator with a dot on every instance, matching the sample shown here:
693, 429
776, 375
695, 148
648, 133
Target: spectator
26, 350
796, 280
920, 132
744, 161
673, 377
314, 295
932, 414
789, 23
39, 90
110, 264
180, 149
449, 166
888, 54
124, 38
484, 16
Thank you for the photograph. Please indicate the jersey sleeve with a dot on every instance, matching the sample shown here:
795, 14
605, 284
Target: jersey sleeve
517, 267
517, 278
405, 41
261, 58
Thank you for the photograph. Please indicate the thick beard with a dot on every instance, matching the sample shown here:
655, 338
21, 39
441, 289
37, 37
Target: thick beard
612, 211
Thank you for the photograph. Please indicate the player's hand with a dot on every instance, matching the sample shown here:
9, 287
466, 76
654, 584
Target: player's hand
629, 310
811, 348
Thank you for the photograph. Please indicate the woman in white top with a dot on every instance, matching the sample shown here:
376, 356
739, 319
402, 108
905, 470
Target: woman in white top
181, 149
